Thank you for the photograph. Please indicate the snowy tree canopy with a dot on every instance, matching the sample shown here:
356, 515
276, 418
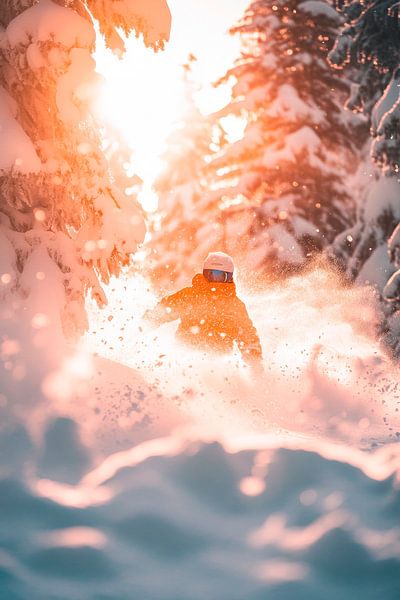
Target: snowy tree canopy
183, 189
288, 172
368, 49
149, 18
65, 225
369, 44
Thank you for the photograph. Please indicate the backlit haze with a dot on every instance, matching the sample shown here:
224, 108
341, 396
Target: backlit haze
321, 350
143, 96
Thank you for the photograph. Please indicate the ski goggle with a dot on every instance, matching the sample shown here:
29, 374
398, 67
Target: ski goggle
215, 276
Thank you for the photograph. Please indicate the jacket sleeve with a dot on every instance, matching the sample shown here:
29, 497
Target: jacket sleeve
248, 340
166, 310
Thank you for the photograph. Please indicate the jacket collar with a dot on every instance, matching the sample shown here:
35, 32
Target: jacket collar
199, 282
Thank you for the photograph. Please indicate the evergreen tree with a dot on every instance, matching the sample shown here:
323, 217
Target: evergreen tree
391, 294
65, 226
362, 249
289, 197
179, 234
369, 44
369, 48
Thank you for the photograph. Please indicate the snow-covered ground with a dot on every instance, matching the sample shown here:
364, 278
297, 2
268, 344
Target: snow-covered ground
155, 473
171, 520
326, 374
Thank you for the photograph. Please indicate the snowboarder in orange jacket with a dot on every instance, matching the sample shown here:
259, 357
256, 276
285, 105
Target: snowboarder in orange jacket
211, 315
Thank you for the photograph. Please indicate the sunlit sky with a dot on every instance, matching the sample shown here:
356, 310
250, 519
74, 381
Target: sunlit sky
142, 96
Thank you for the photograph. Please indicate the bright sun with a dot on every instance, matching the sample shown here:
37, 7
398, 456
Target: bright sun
142, 99
143, 94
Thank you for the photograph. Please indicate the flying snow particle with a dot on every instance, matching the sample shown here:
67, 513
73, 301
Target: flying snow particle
39, 321
40, 215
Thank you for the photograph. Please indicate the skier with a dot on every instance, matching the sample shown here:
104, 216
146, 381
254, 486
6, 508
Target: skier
211, 315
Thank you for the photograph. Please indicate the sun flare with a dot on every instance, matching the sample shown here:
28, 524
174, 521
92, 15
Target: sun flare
143, 96
141, 99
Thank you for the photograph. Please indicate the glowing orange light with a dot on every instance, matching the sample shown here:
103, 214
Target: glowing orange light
143, 96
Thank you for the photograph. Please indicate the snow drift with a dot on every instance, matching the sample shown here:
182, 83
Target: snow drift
176, 520
284, 488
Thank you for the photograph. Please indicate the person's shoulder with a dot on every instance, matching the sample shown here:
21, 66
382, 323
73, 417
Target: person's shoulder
179, 293
187, 292
240, 304
238, 301
198, 281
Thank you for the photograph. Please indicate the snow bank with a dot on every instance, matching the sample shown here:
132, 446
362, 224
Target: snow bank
190, 520
250, 500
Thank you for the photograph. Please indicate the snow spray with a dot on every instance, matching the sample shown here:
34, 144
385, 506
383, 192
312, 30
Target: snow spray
325, 372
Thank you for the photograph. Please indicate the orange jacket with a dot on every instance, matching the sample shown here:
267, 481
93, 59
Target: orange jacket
212, 317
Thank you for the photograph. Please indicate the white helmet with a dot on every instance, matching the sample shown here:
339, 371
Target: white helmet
219, 261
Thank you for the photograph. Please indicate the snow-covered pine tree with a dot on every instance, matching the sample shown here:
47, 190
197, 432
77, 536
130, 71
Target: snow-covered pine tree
369, 48
290, 197
65, 227
391, 294
179, 233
